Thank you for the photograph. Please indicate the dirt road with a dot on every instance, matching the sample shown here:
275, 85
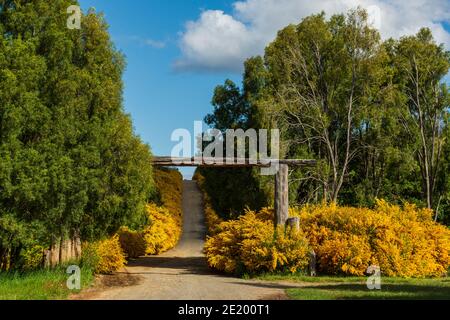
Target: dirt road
182, 274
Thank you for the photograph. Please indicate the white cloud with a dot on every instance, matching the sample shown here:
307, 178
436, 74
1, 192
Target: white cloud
215, 41
219, 41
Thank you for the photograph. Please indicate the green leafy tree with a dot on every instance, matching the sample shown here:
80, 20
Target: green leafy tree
69, 158
375, 114
324, 77
422, 65
232, 189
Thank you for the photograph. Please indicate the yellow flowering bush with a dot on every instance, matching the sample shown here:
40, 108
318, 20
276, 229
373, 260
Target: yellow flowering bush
170, 187
290, 251
251, 244
403, 241
165, 222
163, 232
342, 253
105, 256
132, 243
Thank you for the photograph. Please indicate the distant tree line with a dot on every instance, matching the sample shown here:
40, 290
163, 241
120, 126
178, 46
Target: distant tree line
374, 113
70, 163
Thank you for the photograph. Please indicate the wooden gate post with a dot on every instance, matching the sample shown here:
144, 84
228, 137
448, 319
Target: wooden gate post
282, 195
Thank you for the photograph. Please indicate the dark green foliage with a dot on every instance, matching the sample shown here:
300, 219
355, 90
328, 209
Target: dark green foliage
232, 190
69, 159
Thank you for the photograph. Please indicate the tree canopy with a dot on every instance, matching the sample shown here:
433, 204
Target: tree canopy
373, 113
70, 163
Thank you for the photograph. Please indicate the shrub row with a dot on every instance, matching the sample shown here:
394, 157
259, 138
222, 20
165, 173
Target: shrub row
249, 244
165, 219
169, 184
105, 256
161, 233
402, 241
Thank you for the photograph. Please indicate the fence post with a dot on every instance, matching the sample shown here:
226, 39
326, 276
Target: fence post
282, 195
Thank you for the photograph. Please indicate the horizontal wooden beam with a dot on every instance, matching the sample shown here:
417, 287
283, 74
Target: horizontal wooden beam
228, 162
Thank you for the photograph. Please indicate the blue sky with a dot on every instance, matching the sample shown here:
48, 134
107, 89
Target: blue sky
177, 51
159, 98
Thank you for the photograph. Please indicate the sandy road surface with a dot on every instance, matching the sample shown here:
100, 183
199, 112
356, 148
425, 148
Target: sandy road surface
182, 273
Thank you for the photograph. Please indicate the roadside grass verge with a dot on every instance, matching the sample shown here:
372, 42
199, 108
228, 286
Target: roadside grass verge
46, 284
355, 288
299, 277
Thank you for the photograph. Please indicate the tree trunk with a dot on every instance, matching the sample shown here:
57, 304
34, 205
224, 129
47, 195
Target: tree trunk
61, 246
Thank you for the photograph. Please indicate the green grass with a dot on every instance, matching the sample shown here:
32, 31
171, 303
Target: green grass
304, 278
355, 288
40, 285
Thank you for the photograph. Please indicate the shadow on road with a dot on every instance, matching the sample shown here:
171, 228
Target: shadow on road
174, 265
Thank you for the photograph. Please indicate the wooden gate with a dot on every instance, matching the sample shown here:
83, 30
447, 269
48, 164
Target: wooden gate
281, 177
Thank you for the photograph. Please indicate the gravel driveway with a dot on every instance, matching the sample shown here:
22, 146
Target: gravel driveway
182, 273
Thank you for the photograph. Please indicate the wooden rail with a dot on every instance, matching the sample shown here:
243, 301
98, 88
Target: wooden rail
228, 162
